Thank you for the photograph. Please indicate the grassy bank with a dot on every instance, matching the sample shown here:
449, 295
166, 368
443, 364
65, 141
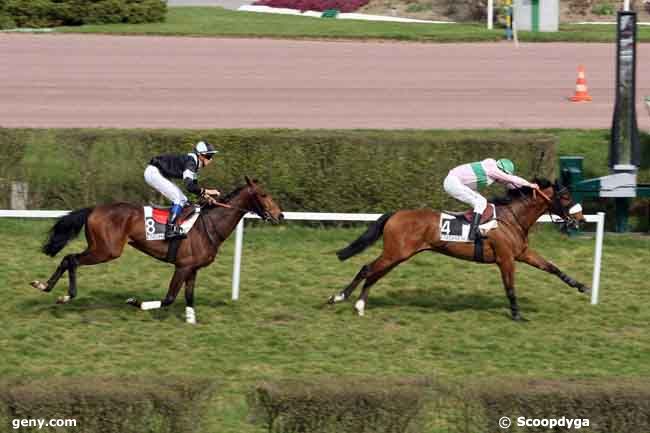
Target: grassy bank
213, 21
431, 316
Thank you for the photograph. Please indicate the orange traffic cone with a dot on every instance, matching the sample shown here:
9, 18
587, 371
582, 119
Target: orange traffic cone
582, 94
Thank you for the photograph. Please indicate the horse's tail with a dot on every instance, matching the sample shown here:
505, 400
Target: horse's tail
64, 230
368, 238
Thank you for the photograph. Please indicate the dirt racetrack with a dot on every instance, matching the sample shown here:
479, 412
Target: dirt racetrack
175, 82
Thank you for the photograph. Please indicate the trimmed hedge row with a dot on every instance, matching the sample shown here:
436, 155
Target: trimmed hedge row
102, 405
324, 406
305, 170
51, 13
611, 406
340, 405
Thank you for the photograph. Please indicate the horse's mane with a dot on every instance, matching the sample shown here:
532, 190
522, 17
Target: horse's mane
517, 193
231, 194
225, 198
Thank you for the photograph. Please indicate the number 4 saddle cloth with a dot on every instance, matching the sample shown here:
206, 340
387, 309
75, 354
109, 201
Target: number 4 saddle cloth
454, 226
155, 220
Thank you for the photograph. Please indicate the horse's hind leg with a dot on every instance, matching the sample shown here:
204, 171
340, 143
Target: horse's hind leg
65, 265
376, 271
345, 293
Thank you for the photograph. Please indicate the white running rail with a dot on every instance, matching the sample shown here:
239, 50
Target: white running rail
599, 219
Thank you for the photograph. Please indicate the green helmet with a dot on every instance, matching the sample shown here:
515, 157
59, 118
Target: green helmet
506, 165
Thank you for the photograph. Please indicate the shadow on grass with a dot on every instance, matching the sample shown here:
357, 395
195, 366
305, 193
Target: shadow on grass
447, 302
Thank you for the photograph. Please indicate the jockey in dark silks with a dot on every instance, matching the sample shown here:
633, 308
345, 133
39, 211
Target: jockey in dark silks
186, 167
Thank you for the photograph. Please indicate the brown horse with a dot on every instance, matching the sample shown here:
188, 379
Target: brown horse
409, 232
110, 227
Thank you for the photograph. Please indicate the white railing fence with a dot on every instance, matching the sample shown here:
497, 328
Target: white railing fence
598, 219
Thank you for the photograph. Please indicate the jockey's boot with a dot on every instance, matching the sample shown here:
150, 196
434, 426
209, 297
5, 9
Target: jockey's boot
474, 231
173, 230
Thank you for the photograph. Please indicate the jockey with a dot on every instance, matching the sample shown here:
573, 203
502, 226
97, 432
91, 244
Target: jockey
185, 167
463, 181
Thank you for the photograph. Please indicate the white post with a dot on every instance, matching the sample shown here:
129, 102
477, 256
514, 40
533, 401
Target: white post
490, 14
239, 240
626, 5
595, 284
515, 38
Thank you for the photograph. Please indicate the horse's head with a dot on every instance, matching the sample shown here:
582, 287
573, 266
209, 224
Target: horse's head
563, 206
262, 203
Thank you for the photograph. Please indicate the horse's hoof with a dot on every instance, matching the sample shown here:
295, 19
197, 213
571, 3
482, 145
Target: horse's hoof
584, 289
134, 302
63, 299
39, 285
336, 298
519, 318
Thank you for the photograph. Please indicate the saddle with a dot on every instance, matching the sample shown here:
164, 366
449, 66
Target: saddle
454, 226
155, 220
160, 214
487, 215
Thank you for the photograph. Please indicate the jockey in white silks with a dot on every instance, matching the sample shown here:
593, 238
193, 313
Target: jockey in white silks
186, 167
464, 181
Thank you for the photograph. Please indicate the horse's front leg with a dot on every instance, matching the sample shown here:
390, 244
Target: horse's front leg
190, 314
180, 276
534, 259
507, 268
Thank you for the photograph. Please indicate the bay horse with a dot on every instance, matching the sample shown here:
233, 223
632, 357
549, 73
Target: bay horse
409, 232
110, 227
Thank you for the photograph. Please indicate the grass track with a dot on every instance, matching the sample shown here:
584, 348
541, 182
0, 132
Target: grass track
432, 315
214, 21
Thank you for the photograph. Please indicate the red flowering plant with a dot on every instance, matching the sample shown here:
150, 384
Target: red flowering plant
314, 5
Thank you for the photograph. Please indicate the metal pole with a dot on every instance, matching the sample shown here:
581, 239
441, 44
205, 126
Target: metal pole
595, 284
239, 240
490, 14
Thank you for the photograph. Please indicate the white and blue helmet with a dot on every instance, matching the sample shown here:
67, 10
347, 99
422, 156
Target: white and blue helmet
206, 149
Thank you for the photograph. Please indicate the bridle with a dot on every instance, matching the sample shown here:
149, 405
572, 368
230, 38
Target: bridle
257, 209
555, 205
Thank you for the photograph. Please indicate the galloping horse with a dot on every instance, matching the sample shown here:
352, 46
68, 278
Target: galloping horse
110, 227
409, 232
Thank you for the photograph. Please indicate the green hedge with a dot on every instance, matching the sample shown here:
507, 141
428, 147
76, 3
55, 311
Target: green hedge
610, 405
51, 13
102, 405
305, 170
340, 406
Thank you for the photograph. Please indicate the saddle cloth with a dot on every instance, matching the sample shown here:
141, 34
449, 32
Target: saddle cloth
155, 221
454, 226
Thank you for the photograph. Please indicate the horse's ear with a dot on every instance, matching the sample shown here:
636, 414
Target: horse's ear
248, 181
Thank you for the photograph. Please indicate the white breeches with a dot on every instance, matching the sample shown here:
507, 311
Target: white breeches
167, 188
455, 188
